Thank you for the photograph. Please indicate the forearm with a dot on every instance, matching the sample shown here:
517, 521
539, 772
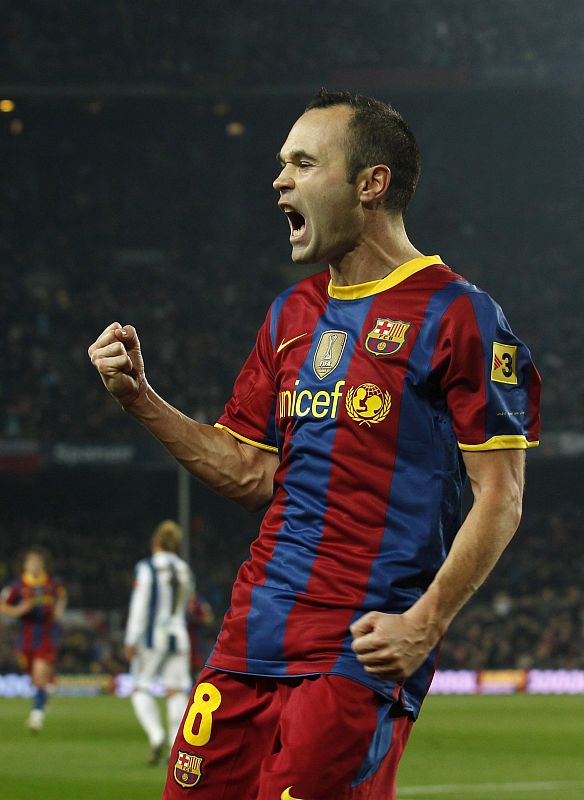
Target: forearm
9, 610
60, 607
482, 538
210, 454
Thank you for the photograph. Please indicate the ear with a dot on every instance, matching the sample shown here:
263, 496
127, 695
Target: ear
372, 185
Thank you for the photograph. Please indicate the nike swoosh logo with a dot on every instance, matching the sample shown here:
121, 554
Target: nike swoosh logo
284, 343
287, 796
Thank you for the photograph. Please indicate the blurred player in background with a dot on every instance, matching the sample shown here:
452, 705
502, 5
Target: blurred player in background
37, 599
200, 618
374, 389
157, 639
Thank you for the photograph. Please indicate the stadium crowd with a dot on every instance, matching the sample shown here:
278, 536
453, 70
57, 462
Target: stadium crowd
259, 42
530, 613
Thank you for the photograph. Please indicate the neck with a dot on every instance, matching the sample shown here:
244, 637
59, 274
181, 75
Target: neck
383, 246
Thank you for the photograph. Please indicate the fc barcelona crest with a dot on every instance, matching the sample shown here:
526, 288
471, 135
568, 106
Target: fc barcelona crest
187, 769
328, 353
387, 337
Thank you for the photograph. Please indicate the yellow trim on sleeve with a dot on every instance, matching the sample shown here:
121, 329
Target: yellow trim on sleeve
501, 443
246, 440
399, 274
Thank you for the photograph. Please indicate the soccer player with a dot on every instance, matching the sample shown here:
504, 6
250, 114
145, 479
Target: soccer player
38, 600
157, 641
200, 618
374, 388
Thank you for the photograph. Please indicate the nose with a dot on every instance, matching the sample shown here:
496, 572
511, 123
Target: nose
284, 180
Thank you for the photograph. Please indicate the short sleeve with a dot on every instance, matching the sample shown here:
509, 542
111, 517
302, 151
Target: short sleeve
250, 413
487, 376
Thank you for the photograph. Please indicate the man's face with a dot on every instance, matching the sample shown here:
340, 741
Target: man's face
34, 564
322, 207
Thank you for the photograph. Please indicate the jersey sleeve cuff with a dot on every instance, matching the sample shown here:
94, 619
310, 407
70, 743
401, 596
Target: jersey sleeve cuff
501, 443
270, 448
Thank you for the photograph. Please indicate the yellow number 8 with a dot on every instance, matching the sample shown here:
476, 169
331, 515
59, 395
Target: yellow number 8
207, 699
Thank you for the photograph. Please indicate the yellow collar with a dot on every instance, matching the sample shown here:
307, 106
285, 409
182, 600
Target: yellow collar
399, 274
30, 580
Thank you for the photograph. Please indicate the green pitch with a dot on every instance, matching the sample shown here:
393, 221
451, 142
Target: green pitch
496, 748
477, 748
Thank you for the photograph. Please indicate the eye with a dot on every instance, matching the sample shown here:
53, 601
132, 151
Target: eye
305, 164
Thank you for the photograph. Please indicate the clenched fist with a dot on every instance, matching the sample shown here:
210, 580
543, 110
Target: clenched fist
392, 646
117, 357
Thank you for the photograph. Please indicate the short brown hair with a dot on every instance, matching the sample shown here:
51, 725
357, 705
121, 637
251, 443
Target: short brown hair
378, 134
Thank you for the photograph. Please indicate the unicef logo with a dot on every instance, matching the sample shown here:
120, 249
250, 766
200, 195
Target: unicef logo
367, 404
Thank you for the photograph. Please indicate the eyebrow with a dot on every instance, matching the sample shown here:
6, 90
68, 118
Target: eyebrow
294, 155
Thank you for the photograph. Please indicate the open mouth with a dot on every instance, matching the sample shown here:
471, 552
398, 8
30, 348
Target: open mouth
297, 224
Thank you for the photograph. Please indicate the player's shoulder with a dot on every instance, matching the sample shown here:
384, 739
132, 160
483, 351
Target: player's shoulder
305, 289
181, 564
143, 567
456, 287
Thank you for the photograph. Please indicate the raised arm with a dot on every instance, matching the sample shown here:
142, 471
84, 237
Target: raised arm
393, 646
239, 471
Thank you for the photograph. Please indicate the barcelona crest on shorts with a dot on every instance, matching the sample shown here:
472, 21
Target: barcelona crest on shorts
387, 337
187, 769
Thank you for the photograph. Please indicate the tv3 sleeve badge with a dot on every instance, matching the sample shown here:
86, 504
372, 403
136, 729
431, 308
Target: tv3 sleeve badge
504, 363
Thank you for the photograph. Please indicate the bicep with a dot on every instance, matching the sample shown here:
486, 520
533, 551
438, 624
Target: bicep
498, 474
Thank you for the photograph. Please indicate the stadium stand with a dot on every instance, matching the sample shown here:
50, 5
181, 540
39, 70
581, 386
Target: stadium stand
243, 45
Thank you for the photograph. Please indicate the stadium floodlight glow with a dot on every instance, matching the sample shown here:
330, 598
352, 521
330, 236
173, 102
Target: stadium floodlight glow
7, 106
16, 127
235, 129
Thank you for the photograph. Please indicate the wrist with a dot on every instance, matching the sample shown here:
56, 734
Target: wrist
140, 404
426, 615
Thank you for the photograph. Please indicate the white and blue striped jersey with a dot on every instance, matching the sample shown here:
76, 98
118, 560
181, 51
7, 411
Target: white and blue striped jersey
157, 615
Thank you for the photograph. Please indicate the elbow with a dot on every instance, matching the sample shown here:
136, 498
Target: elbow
505, 508
515, 510
513, 505
252, 502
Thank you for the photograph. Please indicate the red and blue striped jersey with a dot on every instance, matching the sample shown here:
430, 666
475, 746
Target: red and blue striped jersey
368, 394
38, 628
